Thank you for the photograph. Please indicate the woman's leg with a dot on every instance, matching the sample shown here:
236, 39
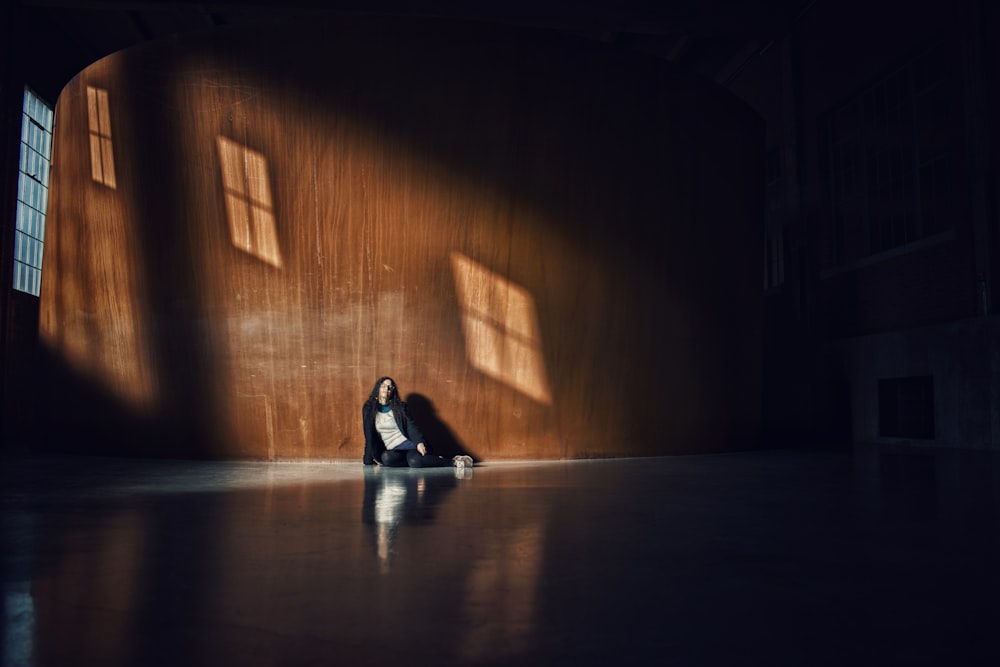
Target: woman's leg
398, 455
394, 459
415, 460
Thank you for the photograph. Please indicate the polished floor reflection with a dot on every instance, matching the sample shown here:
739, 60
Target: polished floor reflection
767, 558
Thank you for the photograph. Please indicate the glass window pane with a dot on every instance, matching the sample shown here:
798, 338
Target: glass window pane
32, 192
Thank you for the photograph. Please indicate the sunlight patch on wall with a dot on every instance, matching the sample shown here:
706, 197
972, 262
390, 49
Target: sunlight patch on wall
102, 156
501, 331
245, 182
93, 317
92, 313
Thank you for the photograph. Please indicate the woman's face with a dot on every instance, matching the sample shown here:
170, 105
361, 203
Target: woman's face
384, 391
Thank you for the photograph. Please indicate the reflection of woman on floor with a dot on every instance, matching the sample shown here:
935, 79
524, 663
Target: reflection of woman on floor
392, 438
393, 498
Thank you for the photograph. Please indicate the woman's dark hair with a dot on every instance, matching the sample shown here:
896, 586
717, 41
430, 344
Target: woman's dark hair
394, 400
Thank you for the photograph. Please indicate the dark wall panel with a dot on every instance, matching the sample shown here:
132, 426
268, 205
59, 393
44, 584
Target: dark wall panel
552, 246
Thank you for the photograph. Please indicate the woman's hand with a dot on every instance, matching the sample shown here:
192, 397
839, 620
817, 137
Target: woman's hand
422, 448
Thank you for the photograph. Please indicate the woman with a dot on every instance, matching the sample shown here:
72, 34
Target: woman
392, 438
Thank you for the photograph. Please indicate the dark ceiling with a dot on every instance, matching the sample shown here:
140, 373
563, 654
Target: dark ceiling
713, 37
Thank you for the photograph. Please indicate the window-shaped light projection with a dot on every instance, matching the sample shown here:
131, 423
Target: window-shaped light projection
248, 201
501, 328
32, 193
102, 155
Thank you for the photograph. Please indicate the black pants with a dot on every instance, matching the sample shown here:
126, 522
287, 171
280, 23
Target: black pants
413, 458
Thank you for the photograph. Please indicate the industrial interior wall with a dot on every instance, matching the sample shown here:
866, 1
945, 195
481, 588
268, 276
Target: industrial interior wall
554, 247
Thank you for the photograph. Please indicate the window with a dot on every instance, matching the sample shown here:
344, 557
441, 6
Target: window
774, 258
772, 165
32, 192
774, 185
774, 241
892, 154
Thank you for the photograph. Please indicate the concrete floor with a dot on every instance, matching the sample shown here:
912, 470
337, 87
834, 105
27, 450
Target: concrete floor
768, 558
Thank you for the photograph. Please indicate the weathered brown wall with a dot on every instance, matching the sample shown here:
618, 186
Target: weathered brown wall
605, 208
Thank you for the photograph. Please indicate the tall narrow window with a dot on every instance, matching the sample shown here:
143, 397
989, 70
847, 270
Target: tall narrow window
102, 157
892, 156
32, 192
774, 252
774, 258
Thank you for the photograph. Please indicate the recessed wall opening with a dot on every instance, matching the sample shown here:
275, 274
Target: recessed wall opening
906, 407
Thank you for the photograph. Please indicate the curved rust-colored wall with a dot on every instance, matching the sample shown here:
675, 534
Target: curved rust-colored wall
552, 246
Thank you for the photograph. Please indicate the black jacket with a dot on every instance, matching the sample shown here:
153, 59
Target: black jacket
374, 447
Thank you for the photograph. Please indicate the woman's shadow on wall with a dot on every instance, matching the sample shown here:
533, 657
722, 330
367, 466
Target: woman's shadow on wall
441, 440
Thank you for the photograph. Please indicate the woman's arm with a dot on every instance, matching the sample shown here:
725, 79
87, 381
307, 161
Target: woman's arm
373, 443
410, 429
